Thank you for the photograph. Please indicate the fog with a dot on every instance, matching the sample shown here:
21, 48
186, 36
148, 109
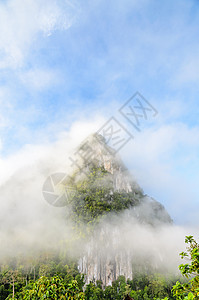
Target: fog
29, 224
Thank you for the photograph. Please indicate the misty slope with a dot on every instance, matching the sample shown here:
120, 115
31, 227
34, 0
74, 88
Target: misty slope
104, 184
105, 191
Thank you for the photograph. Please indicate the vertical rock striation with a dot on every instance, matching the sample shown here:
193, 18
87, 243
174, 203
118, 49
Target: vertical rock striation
104, 259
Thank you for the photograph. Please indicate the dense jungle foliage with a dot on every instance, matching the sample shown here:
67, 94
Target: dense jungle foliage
54, 280
55, 277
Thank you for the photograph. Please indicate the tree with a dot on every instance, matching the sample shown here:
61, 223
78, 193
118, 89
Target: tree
12, 277
190, 289
52, 288
93, 291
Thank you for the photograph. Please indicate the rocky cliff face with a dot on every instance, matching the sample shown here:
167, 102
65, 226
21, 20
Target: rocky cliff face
94, 152
103, 259
110, 189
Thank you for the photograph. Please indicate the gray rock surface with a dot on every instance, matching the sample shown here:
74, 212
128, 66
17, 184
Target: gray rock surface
109, 261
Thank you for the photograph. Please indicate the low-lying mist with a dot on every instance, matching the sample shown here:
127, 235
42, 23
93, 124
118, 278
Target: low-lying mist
28, 224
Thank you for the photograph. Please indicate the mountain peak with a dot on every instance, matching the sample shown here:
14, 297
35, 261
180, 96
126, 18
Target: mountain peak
94, 152
99, 168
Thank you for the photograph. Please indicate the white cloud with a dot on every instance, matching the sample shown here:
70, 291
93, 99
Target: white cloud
30, 222
20, 23
55, 154
165, 163
28, 219
38, 79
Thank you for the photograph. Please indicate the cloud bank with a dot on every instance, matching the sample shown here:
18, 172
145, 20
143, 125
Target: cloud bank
29, 223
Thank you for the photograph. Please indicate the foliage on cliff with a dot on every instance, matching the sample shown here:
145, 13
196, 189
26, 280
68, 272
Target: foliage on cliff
95, 197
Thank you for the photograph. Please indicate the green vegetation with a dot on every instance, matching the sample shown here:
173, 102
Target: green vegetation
95, 197
52, 288
190, 289
53, 277
68, 284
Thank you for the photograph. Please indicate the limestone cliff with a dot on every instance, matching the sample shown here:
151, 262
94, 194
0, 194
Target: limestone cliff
105, 188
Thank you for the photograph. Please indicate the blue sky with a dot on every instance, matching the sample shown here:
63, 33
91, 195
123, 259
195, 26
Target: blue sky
64, 62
